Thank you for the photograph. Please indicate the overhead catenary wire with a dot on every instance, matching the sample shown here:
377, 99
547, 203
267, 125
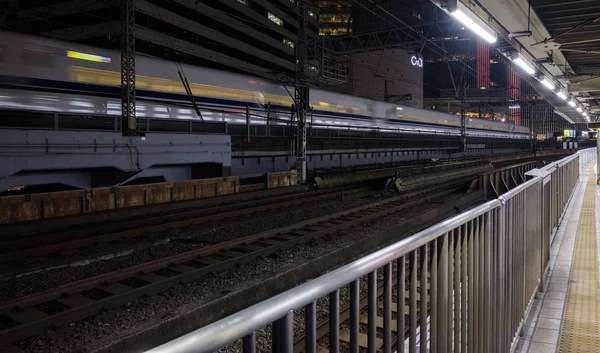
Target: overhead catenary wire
179, 67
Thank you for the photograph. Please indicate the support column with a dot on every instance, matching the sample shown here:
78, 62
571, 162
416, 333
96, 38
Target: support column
598, 157
128, 120
301, 94
463, 120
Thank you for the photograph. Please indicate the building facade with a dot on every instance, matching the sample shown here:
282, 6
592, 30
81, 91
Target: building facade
255, 37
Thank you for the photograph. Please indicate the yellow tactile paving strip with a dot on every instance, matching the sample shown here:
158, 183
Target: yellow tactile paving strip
580, 331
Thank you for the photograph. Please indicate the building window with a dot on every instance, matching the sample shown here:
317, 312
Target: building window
243, 2
416, 14
327, 18
275, 19
288, 42
333, 31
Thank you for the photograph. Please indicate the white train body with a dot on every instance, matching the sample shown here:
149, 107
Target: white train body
45, 74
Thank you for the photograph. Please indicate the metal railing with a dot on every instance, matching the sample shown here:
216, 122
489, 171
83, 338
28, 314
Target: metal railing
586, 156
246, 121
483, 266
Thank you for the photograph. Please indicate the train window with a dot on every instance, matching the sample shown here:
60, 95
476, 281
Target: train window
37, 58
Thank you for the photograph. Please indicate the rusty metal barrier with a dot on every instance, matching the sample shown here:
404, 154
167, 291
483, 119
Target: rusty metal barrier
32, 207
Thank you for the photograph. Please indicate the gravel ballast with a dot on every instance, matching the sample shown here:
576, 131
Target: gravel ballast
169, 245
105, 327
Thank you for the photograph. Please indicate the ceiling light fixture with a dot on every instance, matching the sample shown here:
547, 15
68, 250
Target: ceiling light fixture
548, 83
562, 95
474, 23
572, 103
524, 64
579, 109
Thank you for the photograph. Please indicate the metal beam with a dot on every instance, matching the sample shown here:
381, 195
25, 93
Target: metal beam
580, 25
60, 9
587, 86
85, 32
596, 39
581, 51
128, 117
301, 94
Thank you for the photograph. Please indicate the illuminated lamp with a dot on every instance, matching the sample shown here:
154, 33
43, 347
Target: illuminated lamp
548, 83
562, 95
474, 23
524, 64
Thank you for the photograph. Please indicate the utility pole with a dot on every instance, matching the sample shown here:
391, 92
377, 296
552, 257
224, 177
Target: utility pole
128, 118
463, 121
301, 91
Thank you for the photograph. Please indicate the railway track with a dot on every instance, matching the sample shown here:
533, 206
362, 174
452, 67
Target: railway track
27, 316
51, 243
27, 246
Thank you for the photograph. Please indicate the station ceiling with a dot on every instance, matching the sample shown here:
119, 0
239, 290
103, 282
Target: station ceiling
574, 27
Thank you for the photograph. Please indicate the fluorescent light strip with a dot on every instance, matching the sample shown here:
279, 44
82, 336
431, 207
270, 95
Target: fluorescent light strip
572, 103
463, 18
562, 95
580, 110
548, 83
525, 65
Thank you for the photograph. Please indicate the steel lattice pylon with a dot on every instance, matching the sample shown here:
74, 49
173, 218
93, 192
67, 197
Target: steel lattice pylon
301, 95
128, 122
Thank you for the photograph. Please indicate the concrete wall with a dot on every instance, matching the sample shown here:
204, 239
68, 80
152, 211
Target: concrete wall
254, 163
369, 72
22, 208
88, 159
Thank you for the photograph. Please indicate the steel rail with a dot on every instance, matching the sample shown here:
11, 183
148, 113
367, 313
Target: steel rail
83, 298
217, 334
45, 244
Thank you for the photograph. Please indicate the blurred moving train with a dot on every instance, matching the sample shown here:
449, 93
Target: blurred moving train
50, 75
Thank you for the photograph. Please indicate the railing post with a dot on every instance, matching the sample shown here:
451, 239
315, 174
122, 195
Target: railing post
502, 295
283, 334
311, 327
249, 343
442, 294
400, 304
334, 321
354, 317
372, 312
